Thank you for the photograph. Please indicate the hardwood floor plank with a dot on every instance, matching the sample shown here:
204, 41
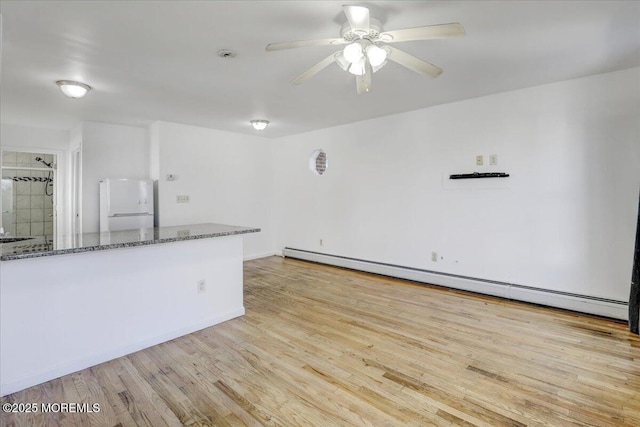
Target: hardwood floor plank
403, 416
51, 391
70, 395
199, 390
149, 404
111, 384
91, 393
172, 395
296, 402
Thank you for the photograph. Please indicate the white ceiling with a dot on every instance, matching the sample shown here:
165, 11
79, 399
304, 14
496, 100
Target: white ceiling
151, 61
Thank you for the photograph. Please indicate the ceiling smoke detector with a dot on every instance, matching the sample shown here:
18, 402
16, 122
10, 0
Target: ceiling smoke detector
226, 53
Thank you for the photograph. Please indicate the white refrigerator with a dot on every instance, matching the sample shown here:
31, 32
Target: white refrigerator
126, 204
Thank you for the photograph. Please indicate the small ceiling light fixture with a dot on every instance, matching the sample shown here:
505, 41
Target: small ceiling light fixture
259, 124
73, 89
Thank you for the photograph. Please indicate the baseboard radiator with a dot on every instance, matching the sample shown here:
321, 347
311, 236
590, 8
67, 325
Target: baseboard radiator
575, 302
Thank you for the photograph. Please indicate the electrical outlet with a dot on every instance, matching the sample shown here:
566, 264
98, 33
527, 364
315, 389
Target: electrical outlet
479, 160
183, 233
182, 199
321, 242
493, 159
202, 286
434, 256
171, 177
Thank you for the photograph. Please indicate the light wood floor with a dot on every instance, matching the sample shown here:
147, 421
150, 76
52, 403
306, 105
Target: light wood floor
322, 346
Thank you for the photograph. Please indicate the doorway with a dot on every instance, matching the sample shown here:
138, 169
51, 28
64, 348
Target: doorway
28, 199
634, 297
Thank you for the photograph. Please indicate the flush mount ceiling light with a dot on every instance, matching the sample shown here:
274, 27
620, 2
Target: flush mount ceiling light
73, 89
259, 124
367, 50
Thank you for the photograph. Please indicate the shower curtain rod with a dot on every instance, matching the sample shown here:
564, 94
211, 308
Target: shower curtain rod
29, 178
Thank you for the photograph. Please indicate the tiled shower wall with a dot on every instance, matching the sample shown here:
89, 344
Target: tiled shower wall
31, 211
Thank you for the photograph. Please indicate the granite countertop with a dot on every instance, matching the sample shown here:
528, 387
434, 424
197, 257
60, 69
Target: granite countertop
88, 242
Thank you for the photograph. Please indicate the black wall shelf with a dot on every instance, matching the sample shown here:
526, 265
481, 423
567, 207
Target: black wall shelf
479, 175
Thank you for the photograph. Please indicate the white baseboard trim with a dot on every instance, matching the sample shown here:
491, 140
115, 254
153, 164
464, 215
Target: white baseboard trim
83, 363
581, 303
262, 255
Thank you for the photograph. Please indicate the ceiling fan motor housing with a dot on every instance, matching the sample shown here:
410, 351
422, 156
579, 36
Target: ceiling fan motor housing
375, 28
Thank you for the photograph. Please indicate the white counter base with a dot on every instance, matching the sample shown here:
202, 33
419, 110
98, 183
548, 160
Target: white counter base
61, 314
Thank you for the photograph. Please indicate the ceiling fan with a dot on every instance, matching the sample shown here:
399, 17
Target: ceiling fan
367, 50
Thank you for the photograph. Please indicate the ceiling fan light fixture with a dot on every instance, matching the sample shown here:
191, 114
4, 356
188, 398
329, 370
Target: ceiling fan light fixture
377, 67
259, 124
73, 89
342, 61
358, 68
353, 52
376, 55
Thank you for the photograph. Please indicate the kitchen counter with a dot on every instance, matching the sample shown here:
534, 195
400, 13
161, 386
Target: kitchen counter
89, 242
94, 297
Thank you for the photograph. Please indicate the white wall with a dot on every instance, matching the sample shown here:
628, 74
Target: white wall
33, 138
109, 151
564, 220
227, 176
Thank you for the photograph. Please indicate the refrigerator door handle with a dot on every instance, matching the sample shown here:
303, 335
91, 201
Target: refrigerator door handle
118, 215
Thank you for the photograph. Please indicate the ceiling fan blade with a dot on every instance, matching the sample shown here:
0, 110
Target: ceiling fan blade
358, 17
413, 63
430, 32
305, 43
314, 70
363, 82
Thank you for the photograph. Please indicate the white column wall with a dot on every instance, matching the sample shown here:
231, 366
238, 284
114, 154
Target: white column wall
227, 176
109, 151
